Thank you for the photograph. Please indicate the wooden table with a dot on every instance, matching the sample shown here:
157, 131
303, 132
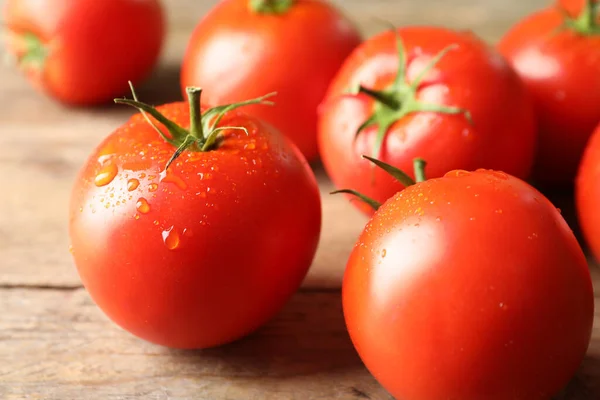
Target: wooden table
55, 343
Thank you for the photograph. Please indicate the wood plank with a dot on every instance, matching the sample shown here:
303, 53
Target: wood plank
56, 345
60, 347
42, 144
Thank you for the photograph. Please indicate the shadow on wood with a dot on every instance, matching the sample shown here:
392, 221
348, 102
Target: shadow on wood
308, 337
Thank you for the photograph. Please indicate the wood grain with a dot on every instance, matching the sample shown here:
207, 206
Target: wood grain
56, 345
61, 347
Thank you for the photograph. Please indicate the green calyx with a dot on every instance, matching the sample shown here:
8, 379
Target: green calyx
400, 98
419, 169
585, 23
270, 6
34, 52
204, 132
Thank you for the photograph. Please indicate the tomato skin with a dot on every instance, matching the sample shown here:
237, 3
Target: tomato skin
470, 286
501, 137
95, 47
246, 217
562, 72
587, 193
235, 53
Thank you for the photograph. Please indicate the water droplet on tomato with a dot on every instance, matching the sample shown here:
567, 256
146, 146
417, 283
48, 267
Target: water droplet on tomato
156, 222
171, 238
188, 232
136, 216
250, 146
499, 174
104, 158
499, 211
383, 253
559, 210
169, 176
458, 173
438, 219
71, 249
142, 206
106, 175
132, 184
152, 187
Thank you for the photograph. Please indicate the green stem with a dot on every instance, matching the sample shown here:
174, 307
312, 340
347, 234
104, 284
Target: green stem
374, 204
194, 94
270, 6
585, 23
381, 97
35, 52
419, 166
204, 130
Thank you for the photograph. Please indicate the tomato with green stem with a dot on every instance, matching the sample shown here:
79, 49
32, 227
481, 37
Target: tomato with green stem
196, 235
83, 52
243, 48
424, 92
469, 286
557, 54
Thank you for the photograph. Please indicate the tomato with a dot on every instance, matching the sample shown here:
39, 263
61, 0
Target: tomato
424, 92
242, 49
558, 58
83, 52
470, 286
587, 194
202, 250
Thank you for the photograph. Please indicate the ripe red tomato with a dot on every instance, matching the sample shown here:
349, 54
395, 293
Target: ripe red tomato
206, 252
83, 52
561, 68
470, 286
243, 49
423, 110
587, 194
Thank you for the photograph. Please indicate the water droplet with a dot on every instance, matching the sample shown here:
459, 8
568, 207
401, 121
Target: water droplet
156, 222
499, 211
458, 173
132, 184
104, 158
201, 195
472, 219
171, 238
152, 187
188, 232
71, 249
559, 210
136, 216
142, 175
250, 146
106, 175
438, 219
383, 253
169, 176
142, 206
499, 174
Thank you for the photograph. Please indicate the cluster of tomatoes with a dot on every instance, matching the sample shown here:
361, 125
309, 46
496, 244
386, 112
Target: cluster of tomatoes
194, 223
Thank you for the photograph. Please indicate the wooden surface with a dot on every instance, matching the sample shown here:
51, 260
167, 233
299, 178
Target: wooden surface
55, 344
